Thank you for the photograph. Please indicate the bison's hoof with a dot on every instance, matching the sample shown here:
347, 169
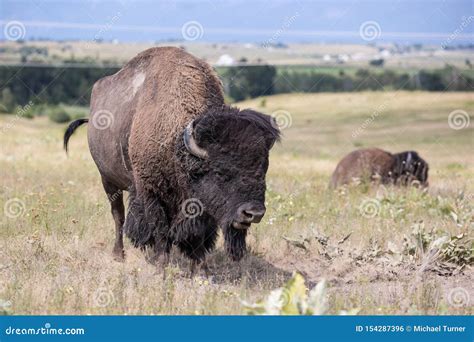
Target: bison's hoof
119, 255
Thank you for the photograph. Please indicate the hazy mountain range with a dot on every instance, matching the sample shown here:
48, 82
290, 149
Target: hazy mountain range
422, 21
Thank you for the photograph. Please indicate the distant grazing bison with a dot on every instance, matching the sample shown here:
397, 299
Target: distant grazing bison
375, 164
159, 129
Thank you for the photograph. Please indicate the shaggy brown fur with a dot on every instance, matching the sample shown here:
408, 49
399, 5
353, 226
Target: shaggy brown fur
374, 164
152, 104
178, 88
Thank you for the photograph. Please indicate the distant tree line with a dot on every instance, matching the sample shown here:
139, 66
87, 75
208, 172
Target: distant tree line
72, 86
252, 81
50, 85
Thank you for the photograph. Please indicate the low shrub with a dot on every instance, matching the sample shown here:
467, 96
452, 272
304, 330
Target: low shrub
59, 115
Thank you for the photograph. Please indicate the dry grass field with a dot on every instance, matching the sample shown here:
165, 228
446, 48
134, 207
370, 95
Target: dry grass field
56, 232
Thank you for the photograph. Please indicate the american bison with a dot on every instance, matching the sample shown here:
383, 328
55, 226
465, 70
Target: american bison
160, 130
371, 164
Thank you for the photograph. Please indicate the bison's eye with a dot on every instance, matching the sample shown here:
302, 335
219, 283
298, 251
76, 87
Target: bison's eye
224, 176
197, 175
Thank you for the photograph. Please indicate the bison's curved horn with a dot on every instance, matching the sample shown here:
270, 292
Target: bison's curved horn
191, 144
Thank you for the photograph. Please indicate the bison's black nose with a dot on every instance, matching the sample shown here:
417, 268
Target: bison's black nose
251, 212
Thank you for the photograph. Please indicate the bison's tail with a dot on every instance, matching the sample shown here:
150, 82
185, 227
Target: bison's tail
71, 128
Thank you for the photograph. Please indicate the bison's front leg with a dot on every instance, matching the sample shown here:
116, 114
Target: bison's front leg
158, 223
147, 226
234, 242
195, 237
161, 250
199, 265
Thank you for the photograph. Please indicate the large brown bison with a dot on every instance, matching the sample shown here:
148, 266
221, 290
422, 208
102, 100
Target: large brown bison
371, 164
159, 129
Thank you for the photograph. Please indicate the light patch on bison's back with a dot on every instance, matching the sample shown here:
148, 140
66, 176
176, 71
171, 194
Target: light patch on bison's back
138, 81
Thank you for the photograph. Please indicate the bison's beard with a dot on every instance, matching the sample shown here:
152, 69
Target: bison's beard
234, 242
